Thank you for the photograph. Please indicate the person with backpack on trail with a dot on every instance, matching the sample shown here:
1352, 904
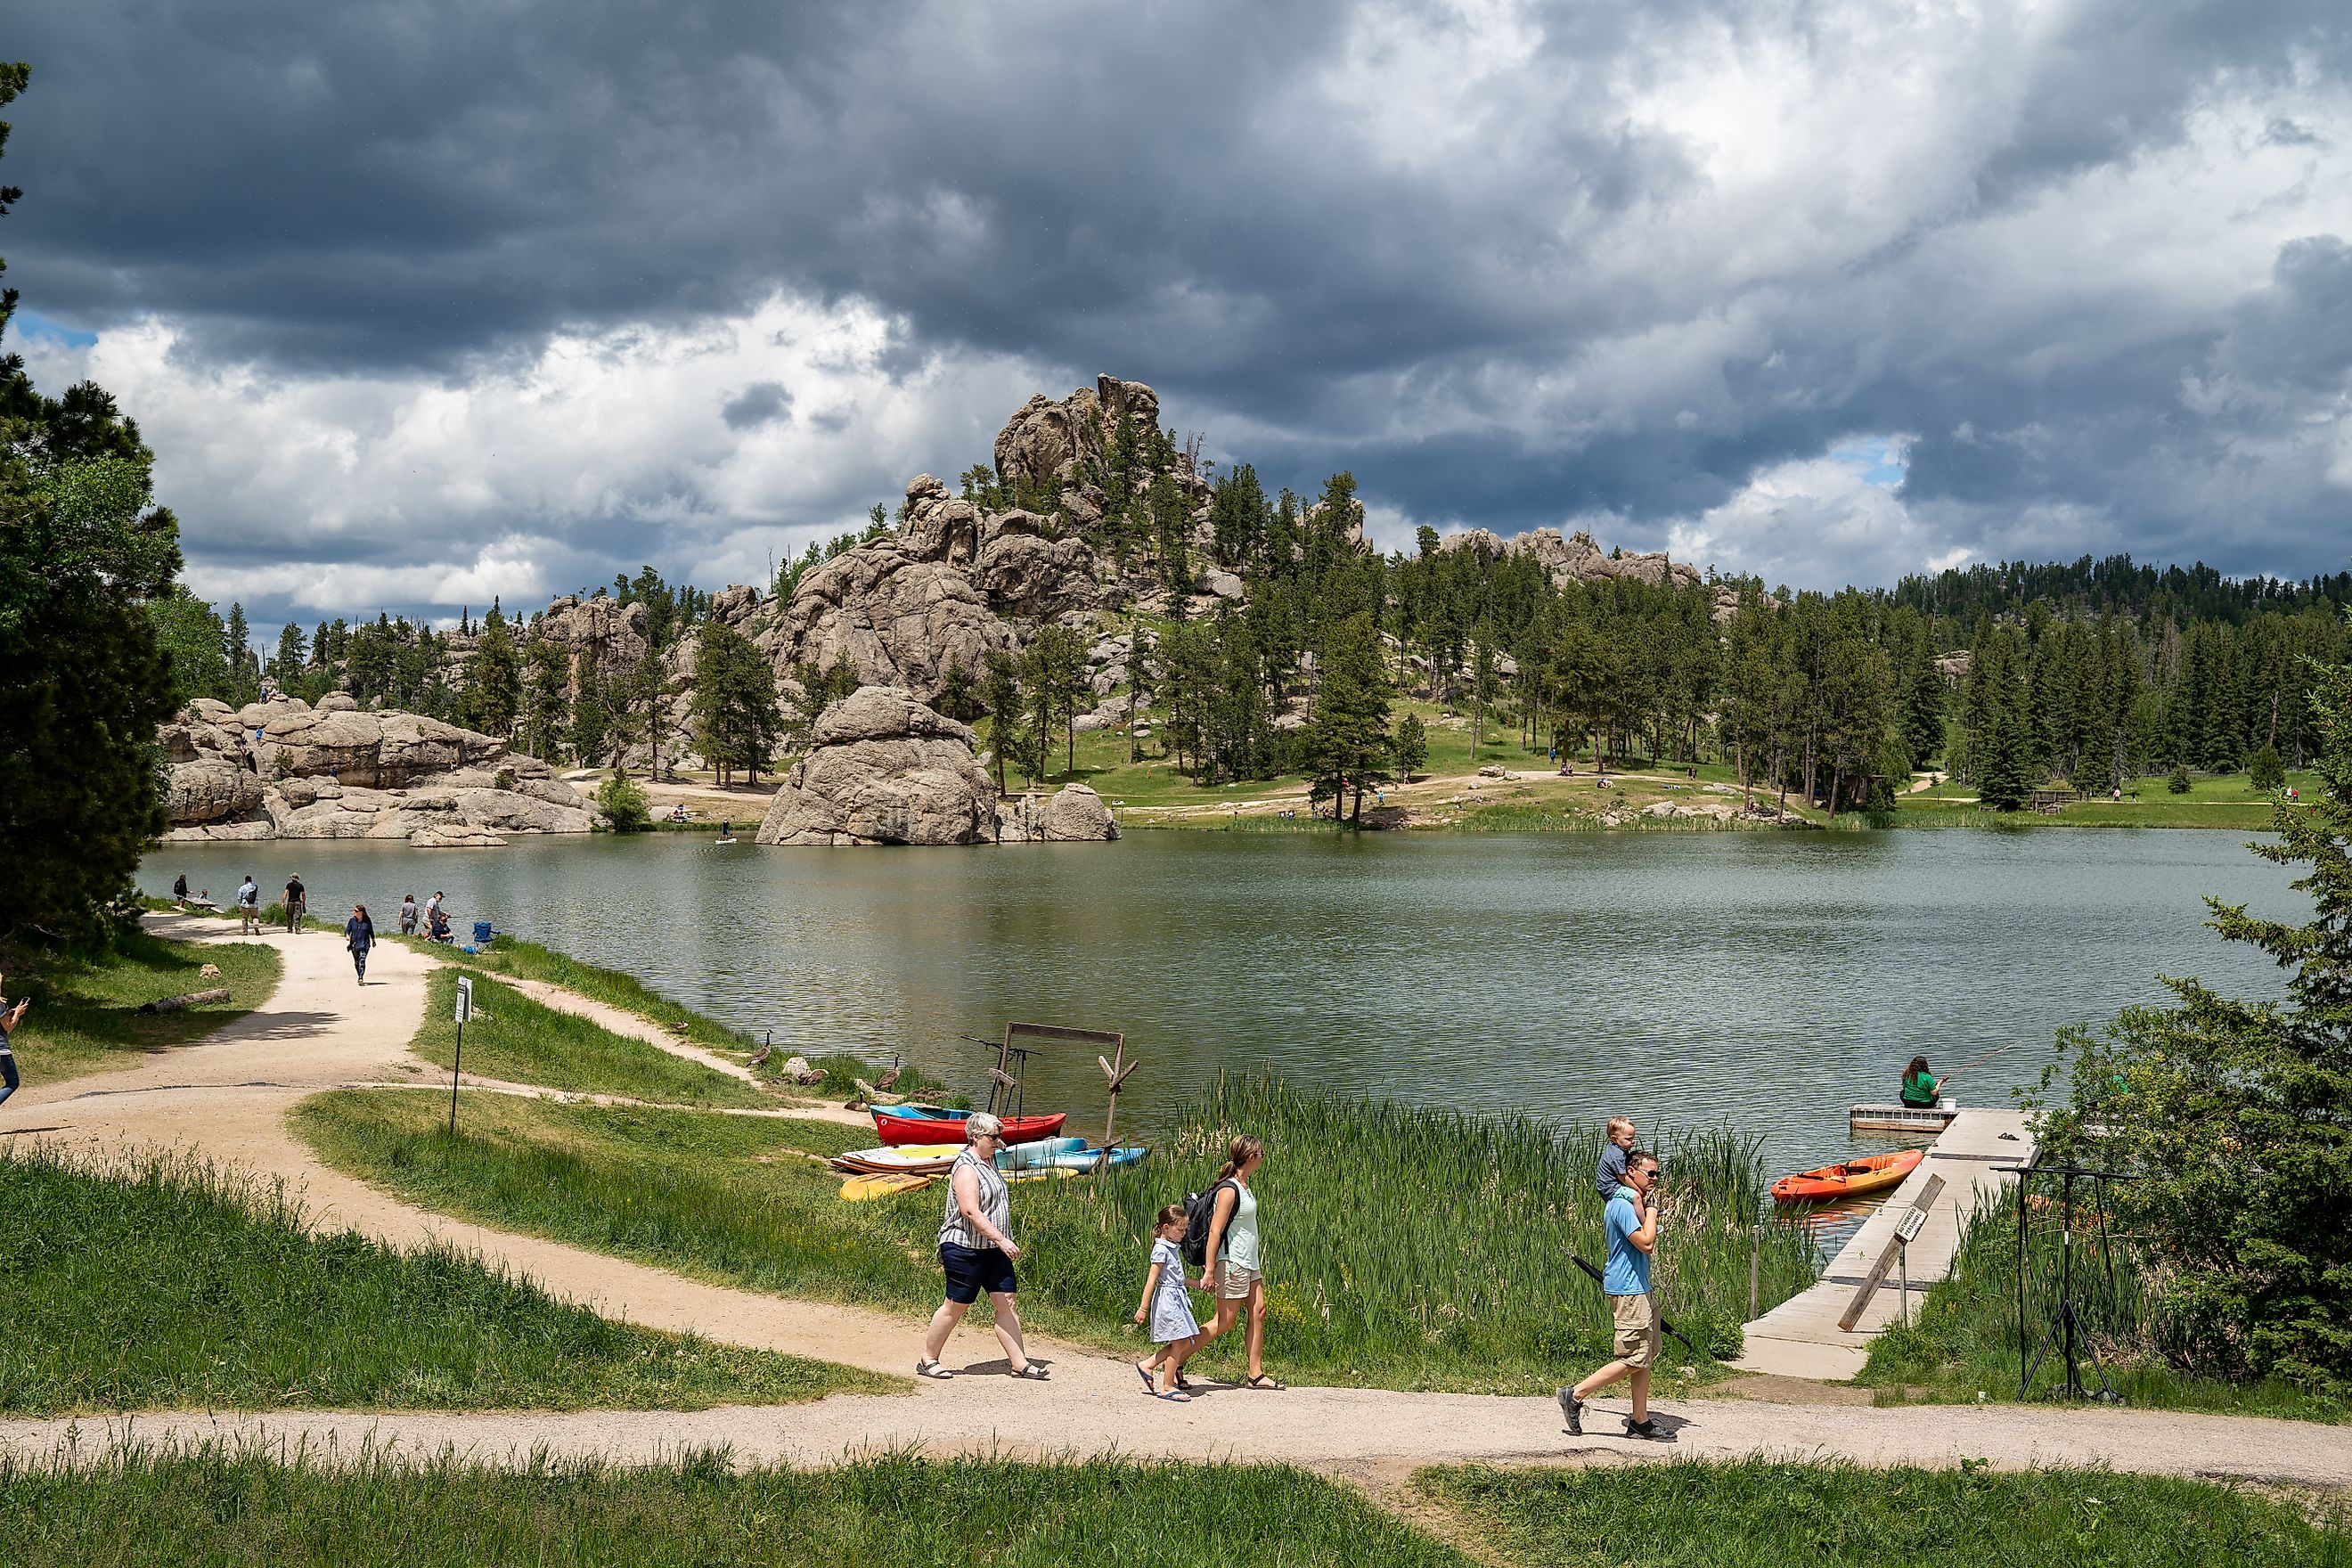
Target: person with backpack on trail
1228, 1254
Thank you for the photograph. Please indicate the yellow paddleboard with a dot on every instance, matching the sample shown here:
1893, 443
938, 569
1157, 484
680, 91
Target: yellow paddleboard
865, 1189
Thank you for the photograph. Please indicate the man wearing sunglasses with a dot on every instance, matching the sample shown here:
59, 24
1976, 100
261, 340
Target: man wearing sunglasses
1630, 1222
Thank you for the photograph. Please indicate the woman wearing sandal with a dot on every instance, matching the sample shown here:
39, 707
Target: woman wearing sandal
1231, 1276
977, 1251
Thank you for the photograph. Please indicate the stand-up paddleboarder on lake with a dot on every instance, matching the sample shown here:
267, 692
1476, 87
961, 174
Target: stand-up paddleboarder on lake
1631, 1223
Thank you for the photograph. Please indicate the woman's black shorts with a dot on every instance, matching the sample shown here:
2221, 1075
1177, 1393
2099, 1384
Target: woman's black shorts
972, 1269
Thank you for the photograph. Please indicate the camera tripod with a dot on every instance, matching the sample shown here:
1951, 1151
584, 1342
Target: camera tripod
2065, 1332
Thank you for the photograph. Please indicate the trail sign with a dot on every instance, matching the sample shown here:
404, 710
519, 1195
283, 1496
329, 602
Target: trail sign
465, 999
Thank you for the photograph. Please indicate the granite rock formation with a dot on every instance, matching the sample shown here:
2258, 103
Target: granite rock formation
283, 769
882, 768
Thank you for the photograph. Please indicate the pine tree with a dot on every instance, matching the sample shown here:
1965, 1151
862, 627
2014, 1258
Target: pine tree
287, 667
236, 653
494, 685
2237, 1117
1411, 745
2005, 783
546, 700
1000, 700
2265, 769
1347, 743
591, 718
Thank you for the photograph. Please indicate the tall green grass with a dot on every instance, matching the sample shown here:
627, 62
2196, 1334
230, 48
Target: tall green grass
86, 1016
1964, 1339
1769, 1513
1413, 1246
1404, 1247
515, 1038
228, 1508
164, 1282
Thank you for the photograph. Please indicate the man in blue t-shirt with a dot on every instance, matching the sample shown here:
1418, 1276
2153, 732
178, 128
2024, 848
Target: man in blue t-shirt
1631, 1223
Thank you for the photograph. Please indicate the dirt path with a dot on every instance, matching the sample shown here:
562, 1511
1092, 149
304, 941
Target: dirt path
227, 1097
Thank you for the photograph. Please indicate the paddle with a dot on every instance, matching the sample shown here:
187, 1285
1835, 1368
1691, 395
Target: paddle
1663, 1321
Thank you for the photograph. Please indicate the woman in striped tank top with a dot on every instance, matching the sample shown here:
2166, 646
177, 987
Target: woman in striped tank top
977, 1251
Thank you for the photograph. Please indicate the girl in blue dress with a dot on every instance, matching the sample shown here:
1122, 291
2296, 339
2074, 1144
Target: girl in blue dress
1168, 1309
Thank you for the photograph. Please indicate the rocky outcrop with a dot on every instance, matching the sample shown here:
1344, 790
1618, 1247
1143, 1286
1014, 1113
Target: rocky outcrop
613, 636
1576, 558
283, 769
883, 768
1073, 814
1046, 444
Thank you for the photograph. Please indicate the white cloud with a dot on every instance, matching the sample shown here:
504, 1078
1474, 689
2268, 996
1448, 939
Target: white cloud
325, 494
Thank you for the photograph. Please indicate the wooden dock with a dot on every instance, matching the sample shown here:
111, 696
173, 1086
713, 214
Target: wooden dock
1800, 1337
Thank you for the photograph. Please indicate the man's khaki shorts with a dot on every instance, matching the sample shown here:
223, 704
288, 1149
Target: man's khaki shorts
1234, 1281
1637, 1329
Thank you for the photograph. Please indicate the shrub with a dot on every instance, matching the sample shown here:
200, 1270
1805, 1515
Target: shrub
624, 805
2266, 770
2177, 780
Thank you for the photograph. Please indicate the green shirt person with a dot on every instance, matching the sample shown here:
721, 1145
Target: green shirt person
1921, 1087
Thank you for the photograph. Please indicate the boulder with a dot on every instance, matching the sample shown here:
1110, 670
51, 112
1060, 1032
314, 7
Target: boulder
1074, 814
883, 768
210, 789
458, 837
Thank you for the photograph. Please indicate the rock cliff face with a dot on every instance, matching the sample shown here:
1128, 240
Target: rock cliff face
885, 769
283, 769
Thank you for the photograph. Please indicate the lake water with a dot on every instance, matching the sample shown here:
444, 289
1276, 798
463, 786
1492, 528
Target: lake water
1766, 980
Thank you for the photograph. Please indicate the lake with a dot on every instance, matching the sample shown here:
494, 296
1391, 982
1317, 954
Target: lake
1766, 980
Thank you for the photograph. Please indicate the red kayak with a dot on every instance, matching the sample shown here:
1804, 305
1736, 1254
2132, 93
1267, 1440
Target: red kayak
950, 1129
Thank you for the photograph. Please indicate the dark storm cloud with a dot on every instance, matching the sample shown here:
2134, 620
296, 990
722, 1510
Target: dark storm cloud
1507, 304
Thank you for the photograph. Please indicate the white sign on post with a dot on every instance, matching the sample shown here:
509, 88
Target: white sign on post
465, 999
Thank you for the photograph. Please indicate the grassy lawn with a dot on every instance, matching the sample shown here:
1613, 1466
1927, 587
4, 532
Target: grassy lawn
1964, 1339
734, 1199
1762, 1513
85, 1014
521, 1040
2214, 800
162, 1283
529, 960
897, 1511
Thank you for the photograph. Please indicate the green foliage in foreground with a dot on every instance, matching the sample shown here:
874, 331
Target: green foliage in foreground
2237, 1116
1963, 1340
165, 1283
521, 1040
624, 803
85, 1008
1761, 1513
228, 1508
1413, 1249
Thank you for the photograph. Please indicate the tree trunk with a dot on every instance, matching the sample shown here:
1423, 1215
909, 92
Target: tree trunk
1809, 763
1837, 776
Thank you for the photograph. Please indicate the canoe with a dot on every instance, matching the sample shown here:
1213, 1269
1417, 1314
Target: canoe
926, 1129
1849, 1179
1082, 1158
934, 1158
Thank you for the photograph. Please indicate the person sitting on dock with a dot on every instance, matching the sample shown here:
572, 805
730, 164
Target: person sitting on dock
1922, 1089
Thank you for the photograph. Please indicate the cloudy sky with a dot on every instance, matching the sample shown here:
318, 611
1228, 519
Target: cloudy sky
420, 302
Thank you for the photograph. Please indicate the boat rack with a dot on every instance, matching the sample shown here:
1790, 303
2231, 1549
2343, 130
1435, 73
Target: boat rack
1895, 1117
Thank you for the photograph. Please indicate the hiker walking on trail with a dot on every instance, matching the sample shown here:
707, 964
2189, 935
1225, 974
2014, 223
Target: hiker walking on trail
1229, 1256
408, 914
298, 899
1630, 1222
977, 1251
180, 890
248, 906
9, 1019
359, 935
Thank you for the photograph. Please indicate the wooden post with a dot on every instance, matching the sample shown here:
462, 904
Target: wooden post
1116, 1067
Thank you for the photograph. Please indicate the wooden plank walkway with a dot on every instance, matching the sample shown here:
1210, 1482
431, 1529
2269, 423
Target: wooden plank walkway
1800, 1337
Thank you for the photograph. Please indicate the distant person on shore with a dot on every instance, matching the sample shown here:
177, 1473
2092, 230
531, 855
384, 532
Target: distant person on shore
180, 890
9, 1019
296, 900
408, 914
1231, 1269
1608, 1172
1167, 1309
1921, 1089
1631, 1223
359, 935
248, 906
977, 1251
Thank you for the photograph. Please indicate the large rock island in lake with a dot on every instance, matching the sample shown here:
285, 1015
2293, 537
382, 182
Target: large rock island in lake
283, 769
884, 768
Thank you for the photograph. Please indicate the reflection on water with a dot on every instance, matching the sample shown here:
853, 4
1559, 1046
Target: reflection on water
1764, 980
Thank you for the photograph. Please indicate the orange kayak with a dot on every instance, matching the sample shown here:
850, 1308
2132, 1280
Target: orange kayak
1849, 1180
